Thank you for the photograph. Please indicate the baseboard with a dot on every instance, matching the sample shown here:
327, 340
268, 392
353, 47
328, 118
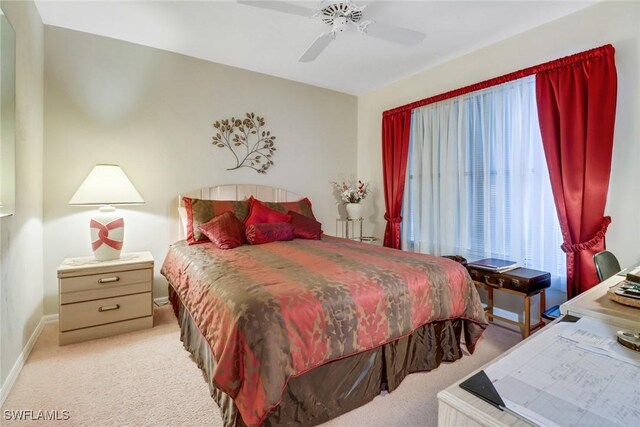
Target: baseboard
506, 314
17, 367
50, 318
160, 301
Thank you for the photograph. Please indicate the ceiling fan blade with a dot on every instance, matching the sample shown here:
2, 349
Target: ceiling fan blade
394, 34
280, 6
317, 47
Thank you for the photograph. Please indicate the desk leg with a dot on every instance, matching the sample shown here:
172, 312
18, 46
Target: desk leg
490, 303
527, 316
543, 304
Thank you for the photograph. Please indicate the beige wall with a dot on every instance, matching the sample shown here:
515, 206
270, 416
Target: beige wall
151, 112
21, 234
609, 22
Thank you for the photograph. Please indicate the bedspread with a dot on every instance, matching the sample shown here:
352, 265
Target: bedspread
273, 311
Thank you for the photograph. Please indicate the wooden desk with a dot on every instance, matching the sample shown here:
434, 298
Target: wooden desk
457, 407
594, 303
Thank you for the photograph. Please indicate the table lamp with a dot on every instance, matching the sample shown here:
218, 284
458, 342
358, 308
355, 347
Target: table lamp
105, 186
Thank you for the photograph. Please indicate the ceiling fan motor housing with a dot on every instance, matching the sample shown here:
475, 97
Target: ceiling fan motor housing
340, 14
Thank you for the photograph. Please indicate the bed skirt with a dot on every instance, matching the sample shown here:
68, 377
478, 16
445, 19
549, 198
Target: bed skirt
336, 387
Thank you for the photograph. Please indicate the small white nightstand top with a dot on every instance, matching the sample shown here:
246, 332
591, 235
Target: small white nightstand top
71, 265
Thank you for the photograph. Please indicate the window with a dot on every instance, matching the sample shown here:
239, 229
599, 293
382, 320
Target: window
477, 181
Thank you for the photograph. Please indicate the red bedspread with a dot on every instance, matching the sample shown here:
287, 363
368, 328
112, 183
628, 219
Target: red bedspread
273, 311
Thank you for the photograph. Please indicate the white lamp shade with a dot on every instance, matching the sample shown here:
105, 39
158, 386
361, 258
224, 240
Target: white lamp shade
106, 185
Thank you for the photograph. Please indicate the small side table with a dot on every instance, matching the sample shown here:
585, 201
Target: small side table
523, 282
372, 240
525, 326
350, 228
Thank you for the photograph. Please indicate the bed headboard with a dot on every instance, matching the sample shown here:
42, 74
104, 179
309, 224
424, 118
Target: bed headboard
235, 192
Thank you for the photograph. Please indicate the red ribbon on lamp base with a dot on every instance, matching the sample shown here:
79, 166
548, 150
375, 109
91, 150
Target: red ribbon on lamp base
107, 234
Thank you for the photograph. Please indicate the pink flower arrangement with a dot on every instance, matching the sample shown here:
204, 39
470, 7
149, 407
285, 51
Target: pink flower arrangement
351, 192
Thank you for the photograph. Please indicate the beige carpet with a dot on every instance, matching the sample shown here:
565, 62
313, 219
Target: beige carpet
146, 378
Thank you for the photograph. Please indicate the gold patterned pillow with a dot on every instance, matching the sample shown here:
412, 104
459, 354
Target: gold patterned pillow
202, 211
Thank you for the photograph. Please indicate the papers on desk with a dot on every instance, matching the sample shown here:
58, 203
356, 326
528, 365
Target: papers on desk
575, 374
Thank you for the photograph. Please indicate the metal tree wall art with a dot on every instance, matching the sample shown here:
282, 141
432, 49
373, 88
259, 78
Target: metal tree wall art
251, 146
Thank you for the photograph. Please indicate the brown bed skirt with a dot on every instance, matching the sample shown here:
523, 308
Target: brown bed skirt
339, 386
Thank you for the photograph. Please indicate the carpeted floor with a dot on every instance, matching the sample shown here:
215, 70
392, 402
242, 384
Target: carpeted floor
146, 378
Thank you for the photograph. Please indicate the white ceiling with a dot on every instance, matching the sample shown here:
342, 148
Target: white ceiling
270, 42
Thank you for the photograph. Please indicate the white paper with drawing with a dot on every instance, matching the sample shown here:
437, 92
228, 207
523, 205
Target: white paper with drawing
575, 374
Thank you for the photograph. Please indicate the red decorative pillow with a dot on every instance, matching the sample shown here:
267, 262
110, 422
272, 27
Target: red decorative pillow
260, 213
304, 227
202, 211
301, 206
269, 232
225, 231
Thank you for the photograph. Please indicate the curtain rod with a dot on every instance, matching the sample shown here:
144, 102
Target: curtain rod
566, 61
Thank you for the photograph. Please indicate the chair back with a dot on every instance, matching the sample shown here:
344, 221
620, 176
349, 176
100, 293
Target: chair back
606, 265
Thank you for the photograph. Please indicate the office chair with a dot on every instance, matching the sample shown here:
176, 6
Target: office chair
606, 265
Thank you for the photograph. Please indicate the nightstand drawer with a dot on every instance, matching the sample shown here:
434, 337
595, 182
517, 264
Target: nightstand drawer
108, 310
110, 292
104, 280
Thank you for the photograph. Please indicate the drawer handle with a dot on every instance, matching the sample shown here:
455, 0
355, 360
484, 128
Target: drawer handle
109, 307
109, 279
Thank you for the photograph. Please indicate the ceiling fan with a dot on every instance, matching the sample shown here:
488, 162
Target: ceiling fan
341, 15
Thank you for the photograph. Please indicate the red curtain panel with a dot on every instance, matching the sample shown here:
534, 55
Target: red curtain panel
395, 151
576, 108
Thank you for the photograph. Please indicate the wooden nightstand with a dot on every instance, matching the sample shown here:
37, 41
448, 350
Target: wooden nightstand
104, 298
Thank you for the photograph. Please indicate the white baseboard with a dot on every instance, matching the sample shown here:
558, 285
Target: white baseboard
160, 301
22, 358
50, 318
506, 314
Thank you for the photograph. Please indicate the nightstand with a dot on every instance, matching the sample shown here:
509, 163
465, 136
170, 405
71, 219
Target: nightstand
103, 298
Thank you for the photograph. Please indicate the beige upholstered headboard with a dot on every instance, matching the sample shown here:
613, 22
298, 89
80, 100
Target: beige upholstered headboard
236, 192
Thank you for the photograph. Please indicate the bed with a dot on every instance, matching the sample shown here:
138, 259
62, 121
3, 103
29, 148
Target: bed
301, 331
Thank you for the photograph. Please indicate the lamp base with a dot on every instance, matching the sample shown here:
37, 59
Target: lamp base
107, 234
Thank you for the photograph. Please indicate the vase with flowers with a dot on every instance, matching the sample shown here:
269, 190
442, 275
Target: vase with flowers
352, 193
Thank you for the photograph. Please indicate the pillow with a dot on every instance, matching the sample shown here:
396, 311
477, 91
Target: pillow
269, 232
301, 206
182, 212
259, 213
225, 231
304, 227
202, 211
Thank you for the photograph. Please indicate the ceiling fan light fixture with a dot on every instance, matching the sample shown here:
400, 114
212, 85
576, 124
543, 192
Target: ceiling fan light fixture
340, 24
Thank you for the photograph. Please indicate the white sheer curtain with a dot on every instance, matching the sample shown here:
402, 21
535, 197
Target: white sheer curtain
477, 181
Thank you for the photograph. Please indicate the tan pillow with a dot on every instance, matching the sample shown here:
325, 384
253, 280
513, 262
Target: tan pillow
202, 211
